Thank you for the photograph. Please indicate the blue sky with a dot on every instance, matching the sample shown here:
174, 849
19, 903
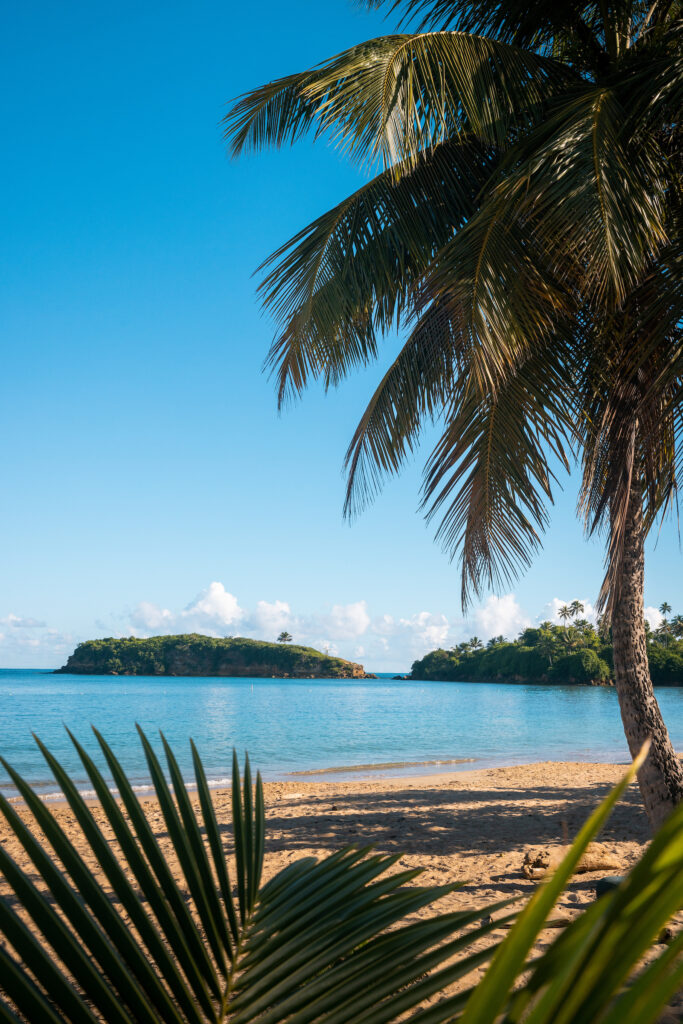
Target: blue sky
143, 459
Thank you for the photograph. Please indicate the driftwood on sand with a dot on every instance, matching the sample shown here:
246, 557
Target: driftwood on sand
540, 861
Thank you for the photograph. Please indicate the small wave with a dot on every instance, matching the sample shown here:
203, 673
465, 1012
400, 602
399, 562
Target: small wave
142, 789
385, 765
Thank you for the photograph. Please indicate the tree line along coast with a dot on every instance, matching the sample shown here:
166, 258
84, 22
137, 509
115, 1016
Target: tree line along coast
575, 652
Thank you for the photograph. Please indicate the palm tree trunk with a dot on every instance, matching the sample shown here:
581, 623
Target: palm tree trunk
661, 777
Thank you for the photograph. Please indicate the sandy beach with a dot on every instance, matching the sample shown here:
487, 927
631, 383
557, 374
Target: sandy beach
472, 826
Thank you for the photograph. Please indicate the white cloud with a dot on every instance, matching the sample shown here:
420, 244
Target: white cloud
653, 616
551, 611
349, 630
350, 619
216, 605
18, 622
270, 618
149, 616
214, 611
500, 616
27, 643
381, 641
425, 628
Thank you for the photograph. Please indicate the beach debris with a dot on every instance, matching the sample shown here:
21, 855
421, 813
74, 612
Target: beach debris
539, 862
607, 884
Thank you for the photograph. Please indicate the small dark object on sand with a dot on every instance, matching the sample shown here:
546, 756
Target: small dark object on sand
607, 883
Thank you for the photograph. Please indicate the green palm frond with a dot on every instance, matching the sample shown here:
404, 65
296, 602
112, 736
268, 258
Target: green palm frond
490, 475
322, 941
573, 214
429, 371
355, 270
595, 207
203, 946
391, 98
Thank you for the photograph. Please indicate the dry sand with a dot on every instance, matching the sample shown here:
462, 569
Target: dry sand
466, 826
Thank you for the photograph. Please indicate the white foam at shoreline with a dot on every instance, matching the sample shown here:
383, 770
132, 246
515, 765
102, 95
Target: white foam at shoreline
143, 789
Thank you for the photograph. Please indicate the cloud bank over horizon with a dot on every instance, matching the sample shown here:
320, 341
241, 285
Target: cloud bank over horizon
382, 642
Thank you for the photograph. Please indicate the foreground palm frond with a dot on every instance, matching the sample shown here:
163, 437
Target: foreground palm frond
321, 941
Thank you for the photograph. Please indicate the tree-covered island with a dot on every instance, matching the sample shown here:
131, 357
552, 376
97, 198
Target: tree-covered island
196, 655
578, 653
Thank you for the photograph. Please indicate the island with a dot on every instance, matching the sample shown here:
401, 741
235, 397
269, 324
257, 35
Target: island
193, 654
578, 654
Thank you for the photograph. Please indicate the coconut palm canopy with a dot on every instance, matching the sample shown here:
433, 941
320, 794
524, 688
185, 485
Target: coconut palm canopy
523, 229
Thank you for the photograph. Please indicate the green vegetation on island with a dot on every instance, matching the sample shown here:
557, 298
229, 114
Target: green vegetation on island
192, 654
578, 653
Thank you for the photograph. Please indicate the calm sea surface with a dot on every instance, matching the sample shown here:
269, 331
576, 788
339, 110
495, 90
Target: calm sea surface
308, 725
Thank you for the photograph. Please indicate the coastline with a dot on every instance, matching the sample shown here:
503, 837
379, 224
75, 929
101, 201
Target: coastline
397, 773
540, 790
312, 730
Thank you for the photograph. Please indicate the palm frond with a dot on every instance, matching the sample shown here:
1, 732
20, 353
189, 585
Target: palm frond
490, 474
421, 383
391, 98
501, 291
170, 951
355, 270
596, 207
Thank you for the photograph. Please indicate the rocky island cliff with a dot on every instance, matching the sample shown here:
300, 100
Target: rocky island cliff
196, 655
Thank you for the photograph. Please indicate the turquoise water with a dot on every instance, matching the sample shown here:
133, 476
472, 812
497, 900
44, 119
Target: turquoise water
307, 725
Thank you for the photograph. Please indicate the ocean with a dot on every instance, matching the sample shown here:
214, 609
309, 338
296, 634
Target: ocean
309, 729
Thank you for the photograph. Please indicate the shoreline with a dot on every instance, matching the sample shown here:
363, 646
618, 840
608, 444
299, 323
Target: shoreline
471, 827
394, 776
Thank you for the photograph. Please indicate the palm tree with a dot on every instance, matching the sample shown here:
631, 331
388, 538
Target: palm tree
664, 628
496, 641
576, 608
547, 644
522, 226
564, 612
285, 637
475, 643
571, 638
